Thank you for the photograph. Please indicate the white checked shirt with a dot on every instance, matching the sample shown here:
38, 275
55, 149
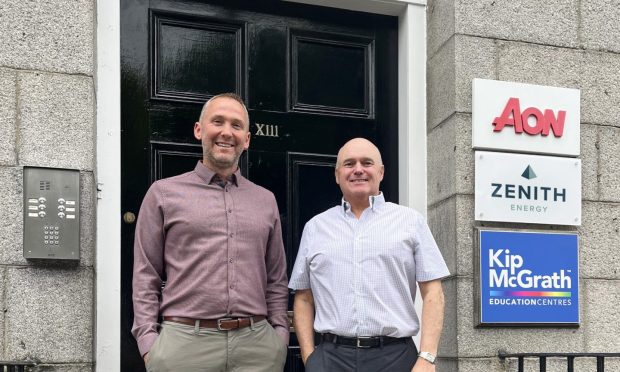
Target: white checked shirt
363, 273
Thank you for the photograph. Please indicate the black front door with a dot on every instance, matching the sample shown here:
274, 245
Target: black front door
312, 78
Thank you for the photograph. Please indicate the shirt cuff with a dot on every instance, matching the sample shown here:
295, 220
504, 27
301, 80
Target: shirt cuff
297, 285
146, 342
433, 275
282, 333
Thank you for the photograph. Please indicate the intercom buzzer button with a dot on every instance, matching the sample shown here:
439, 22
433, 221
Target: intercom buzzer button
61, 201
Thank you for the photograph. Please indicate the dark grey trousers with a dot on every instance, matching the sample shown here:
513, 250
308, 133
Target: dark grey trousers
329, 357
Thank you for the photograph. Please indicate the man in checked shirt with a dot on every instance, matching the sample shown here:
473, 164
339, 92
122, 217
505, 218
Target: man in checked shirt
216, 239
355, 277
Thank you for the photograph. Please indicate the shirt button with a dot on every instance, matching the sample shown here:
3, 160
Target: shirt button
230, 211
231, 235
232, 286
231, 260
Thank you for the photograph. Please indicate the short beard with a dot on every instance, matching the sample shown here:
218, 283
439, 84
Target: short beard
222, 163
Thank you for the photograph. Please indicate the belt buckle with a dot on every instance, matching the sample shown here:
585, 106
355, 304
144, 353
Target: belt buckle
358, 339
219, 323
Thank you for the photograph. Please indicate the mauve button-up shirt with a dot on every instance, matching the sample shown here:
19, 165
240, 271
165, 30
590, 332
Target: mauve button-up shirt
219, 249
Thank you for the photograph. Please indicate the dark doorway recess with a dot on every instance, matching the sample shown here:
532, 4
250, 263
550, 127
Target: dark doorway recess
312, 78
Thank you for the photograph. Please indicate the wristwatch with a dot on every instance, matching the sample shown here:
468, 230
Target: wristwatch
427, 356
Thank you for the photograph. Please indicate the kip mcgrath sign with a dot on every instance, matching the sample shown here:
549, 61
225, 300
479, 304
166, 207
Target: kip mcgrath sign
527, 188
528, 278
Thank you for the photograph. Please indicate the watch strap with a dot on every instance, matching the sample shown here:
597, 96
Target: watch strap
427, 356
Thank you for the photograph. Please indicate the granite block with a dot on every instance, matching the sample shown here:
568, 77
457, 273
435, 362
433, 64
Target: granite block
57, 126
48, 35
49, 314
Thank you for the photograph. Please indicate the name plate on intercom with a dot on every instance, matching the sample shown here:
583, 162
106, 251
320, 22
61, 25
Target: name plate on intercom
51, 213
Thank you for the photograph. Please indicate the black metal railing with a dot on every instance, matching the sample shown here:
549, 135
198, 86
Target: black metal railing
570, 359
15, 366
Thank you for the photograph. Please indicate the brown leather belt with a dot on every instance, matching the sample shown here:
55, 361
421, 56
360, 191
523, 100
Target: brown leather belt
223, 324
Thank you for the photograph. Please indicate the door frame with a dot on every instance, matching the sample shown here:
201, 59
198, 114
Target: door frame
412, 145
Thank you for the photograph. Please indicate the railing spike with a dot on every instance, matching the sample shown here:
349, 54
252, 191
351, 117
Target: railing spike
600, 359
570, 364
543, 363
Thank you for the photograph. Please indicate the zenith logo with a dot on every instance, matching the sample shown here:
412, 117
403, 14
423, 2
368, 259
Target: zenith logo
528, 173
529, 192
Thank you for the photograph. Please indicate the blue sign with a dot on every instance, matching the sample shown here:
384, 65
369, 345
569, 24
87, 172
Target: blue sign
529, 277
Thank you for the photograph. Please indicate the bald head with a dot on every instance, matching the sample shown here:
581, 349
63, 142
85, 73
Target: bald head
359, 146
359, 171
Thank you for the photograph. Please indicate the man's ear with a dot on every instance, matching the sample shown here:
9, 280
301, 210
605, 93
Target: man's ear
197, 131
246, 145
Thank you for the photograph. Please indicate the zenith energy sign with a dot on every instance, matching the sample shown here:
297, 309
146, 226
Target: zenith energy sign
528, 277
527, 188
540, 124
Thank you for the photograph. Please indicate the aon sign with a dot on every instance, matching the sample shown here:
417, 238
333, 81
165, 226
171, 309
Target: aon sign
542, 122
525, 118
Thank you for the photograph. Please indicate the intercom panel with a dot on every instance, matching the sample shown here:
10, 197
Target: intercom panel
51, 213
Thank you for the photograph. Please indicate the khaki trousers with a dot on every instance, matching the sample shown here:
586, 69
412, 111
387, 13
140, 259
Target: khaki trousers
181, 347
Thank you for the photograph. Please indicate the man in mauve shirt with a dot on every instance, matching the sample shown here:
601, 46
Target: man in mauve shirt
214, 238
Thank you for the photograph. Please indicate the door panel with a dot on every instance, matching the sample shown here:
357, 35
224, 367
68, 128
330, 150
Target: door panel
312, 79
168, 158
331, 74
194, 58
310, 190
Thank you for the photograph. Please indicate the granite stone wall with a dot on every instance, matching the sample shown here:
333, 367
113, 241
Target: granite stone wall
565, 43
47, 118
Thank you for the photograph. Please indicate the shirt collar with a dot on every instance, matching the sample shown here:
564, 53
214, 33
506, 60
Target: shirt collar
374, 201
208, 175
216, 179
